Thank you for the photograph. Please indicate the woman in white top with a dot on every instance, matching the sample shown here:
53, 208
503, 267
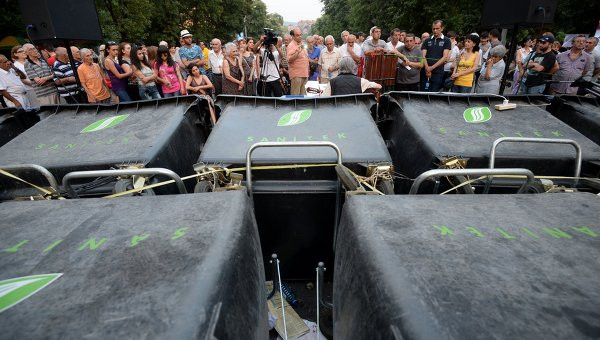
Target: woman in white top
522, 52
19, 57
145, 75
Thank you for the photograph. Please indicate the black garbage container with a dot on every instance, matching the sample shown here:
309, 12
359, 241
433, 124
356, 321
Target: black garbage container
424, 130
161, 267
13, 122
580, 113
295, 207
165, 133
468, 267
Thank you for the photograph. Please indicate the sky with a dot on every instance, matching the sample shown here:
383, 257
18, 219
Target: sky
294, 10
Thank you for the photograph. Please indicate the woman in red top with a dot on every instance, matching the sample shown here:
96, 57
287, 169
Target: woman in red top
168, 74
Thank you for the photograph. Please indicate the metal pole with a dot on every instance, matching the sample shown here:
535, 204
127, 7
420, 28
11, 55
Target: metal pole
511, 56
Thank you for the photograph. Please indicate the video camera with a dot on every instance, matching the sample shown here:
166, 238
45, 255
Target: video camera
270, 38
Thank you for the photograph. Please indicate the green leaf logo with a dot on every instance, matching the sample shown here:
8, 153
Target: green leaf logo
294, 118
13, 291
104, 123
477, 114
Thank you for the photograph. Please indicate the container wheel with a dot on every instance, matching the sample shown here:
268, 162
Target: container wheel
385, 186
536, 188
127, 184
203, 186
456, 180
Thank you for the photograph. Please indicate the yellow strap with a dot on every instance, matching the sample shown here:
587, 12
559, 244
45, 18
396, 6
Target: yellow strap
8, 174
227, 171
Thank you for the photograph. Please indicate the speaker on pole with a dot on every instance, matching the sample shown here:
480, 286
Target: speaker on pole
61, 20
507, 13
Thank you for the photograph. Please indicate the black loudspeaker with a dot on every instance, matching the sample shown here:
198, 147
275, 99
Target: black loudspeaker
505, 13
61, 19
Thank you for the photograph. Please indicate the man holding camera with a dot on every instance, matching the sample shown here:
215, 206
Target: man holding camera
297, 63
269, 84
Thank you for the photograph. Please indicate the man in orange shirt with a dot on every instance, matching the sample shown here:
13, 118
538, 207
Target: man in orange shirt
91, 79
297, 63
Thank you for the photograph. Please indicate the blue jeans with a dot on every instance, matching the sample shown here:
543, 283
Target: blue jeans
148, 92
461, 89
436, 82
174, 94
123, 96
538, 89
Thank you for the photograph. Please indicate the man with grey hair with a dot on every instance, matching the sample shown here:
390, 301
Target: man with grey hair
64, 79
91, 79
215, 59
344, 36
492, 71
572, 64
75, 53
352, 50
284, 62
11, 86
590, 48
348, 83
329, 61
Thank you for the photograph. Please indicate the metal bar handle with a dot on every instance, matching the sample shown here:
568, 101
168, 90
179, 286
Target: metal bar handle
539, 140
43, 171
282, 144
122, 172
472, 172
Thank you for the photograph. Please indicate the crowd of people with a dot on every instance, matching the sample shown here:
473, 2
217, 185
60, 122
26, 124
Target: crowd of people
274, 66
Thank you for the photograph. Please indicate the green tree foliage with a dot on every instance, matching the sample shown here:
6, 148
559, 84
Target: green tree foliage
462, 16
275, 21
10, 19
154, 20
125, 20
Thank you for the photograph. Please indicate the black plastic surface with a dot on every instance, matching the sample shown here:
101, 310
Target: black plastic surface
468, 267
164, 267
581, 113
13, 122
424, 128
167, 133
345, 121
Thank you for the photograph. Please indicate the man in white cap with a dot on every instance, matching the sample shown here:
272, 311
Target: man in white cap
190, 53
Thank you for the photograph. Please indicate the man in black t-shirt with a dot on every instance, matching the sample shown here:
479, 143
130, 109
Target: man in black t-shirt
539, 65
435, 50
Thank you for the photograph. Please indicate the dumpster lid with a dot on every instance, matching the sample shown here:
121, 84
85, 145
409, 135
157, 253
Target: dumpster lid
81, 135
466, 126
345, 121
129, 267
481, 266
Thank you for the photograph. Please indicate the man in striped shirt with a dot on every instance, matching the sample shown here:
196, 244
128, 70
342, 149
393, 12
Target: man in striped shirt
64, 78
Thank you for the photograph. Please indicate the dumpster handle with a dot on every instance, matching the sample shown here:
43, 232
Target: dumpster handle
536, 140
282, 144
414, 189
338, 191
122, 172
47, 174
